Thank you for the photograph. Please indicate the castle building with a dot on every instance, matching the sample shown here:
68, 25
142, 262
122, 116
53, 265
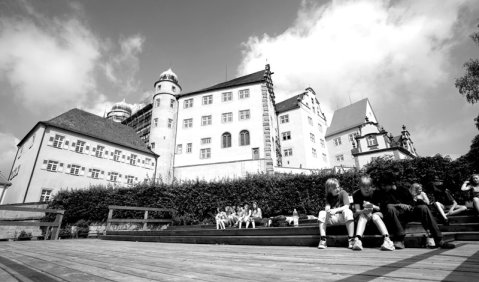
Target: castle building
302, 127
77, 149
119, 112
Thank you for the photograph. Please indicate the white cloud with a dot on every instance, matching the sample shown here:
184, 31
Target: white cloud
47, 61
389, 51
8, 149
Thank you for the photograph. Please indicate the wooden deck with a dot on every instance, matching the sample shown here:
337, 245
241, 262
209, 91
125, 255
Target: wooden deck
99, 260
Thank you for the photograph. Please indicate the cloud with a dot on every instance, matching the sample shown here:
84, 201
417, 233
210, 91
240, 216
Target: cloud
47, 61
8, 149
385, 50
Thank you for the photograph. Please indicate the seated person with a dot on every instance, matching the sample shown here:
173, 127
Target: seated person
473, 185
246, 216
256, 216
397, 205
336, 212
220, 219
367, 207
418, 194
445, 203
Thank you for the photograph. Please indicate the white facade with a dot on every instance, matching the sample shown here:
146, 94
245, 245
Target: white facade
49, 159
302, 129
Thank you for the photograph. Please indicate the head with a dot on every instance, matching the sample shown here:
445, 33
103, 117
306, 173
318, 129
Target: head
366, 185
332, 186
246, 206
255, 205
475, 179
415, 189
387, 181
437, 181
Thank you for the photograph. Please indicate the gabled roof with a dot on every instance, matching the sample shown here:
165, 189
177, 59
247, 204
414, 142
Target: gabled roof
4, 181
289, 104
348, 117
81, 122
243, 80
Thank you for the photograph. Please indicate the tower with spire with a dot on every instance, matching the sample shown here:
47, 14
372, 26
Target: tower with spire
164, 114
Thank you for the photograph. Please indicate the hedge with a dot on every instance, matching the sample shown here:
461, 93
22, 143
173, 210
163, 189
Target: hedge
278, 194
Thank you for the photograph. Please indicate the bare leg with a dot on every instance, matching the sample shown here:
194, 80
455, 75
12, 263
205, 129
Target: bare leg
253, 223
247, 224
457, 210
380, 224
350, 228
475, 202
361, 224
322, 229
439, 207
240, 223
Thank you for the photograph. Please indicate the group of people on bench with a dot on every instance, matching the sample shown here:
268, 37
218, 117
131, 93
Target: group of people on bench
390, 207
232, 217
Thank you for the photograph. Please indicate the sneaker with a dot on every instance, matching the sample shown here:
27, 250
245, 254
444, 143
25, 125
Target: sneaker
350, 243
430, 244
387, 245
399, 245
358, 245
322, 244
446, 245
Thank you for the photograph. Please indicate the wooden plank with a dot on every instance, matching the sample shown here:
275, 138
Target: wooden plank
27, 223
141, 208
13, 208
124, 220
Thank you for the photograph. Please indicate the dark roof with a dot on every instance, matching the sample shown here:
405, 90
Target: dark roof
243, 80
288, 104
91, 125
4, 181
348, 117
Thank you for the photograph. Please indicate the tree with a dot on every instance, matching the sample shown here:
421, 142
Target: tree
468, 85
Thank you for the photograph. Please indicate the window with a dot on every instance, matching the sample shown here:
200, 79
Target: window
99, 151
116, 156
113, 176
188, 123
206, 120
189, 147
288, 152
352, 136
46, 195
188, 103
315, 155
244, 137
159, 87
170, 123
58, 142
312, 138
205, 153
372, 141
179, 148
157, 102
310, 120
340, 158
79, 147
255, 152
227, 96
133, 159
244, 114
208, 99
206, 140
75, 169
52, 166
322, 143
320, 127
152, 145
95, 173
147, 161
243, 94
155, 122
286, 135
284, 119
172, 103
227, 117
130, 179
226, 140
337, 141
33, 140
325, 158
173, 88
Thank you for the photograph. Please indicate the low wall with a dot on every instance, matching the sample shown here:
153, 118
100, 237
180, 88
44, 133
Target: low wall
11, 232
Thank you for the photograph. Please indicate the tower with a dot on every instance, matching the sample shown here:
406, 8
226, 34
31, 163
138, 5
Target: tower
119, 112
163, 123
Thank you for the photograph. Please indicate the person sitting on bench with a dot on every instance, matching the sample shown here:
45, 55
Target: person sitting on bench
256, 216
473, 186
367, 207
444, 202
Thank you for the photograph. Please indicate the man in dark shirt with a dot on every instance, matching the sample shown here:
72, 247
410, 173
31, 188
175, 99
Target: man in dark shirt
397, 205
444, 202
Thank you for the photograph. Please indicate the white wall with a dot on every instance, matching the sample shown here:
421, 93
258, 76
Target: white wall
218, 171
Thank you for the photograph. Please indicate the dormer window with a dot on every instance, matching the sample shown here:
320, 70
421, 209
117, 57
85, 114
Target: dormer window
159, 87
372, 141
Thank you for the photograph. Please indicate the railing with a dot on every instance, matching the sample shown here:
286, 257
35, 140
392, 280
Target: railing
145, 219
54, 226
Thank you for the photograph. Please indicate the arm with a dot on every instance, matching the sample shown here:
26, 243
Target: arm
465, 186
345, 202
425, 198
327, 208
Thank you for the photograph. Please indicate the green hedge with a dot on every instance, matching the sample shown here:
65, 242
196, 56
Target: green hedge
196, 201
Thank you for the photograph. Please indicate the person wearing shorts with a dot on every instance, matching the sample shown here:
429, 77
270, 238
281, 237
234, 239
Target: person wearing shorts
445, 203
367, 208
336, 212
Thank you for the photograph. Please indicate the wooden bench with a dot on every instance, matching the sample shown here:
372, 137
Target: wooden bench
144, 220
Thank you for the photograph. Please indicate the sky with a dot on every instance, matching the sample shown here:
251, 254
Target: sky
404, 56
